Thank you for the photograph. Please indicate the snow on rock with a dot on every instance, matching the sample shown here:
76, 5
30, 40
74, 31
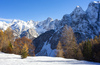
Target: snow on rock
30, 33
12, 59
77, 14
46, 25
95, 1
24, 28
20, 26
32, 24
92, 11
85, 24
46, 50
78, 6
3, 25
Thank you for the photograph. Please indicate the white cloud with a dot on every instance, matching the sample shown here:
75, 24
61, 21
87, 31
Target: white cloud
8, 20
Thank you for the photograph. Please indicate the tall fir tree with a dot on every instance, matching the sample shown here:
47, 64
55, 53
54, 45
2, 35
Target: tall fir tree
87, 50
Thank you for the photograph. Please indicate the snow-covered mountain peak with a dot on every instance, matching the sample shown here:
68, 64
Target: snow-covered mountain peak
3, 22
30, 22
49, 19
96, 1
77, 14
78, 11
94, 4
92, 11
56, 20
17, 21
3, 25
13, 21
21, 21
77, 6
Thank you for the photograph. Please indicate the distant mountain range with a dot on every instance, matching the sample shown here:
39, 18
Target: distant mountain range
30, 28
85, 24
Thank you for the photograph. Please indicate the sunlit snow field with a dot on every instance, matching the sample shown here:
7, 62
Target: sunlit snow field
12, 59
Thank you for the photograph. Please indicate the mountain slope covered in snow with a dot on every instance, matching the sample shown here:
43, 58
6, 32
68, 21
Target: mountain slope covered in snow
30, 29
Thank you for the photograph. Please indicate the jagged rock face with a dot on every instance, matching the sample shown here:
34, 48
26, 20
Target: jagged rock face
46, 25
22, 28
77, 15
30, 28
30, 33
85, 24
47, 42
21, 25
93, 12
39, 42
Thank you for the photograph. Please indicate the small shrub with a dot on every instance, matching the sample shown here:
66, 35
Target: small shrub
24, 54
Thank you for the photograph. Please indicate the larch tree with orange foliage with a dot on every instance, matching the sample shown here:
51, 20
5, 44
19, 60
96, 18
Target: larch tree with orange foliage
7, 38
19, 43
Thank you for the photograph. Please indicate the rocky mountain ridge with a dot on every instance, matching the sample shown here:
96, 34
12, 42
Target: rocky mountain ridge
85, 24
21, 28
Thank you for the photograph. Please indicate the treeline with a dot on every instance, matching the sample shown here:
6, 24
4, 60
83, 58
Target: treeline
91, 49
69, 48
21, 46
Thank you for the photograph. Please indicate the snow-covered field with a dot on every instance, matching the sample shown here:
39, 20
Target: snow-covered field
12, 59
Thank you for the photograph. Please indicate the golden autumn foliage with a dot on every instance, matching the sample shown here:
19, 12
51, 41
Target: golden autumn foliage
69, 44
91, 49
60, 52
19, 43
10, 48
9, 44
5, 38
1, 38
24, 51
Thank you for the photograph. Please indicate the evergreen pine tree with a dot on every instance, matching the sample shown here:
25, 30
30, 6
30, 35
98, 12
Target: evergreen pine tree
87, 50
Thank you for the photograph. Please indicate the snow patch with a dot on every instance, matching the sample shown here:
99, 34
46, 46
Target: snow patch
46, 50
95, 1
12, 59
77, 6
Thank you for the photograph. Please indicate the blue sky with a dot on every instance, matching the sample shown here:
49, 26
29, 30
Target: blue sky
39, 10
